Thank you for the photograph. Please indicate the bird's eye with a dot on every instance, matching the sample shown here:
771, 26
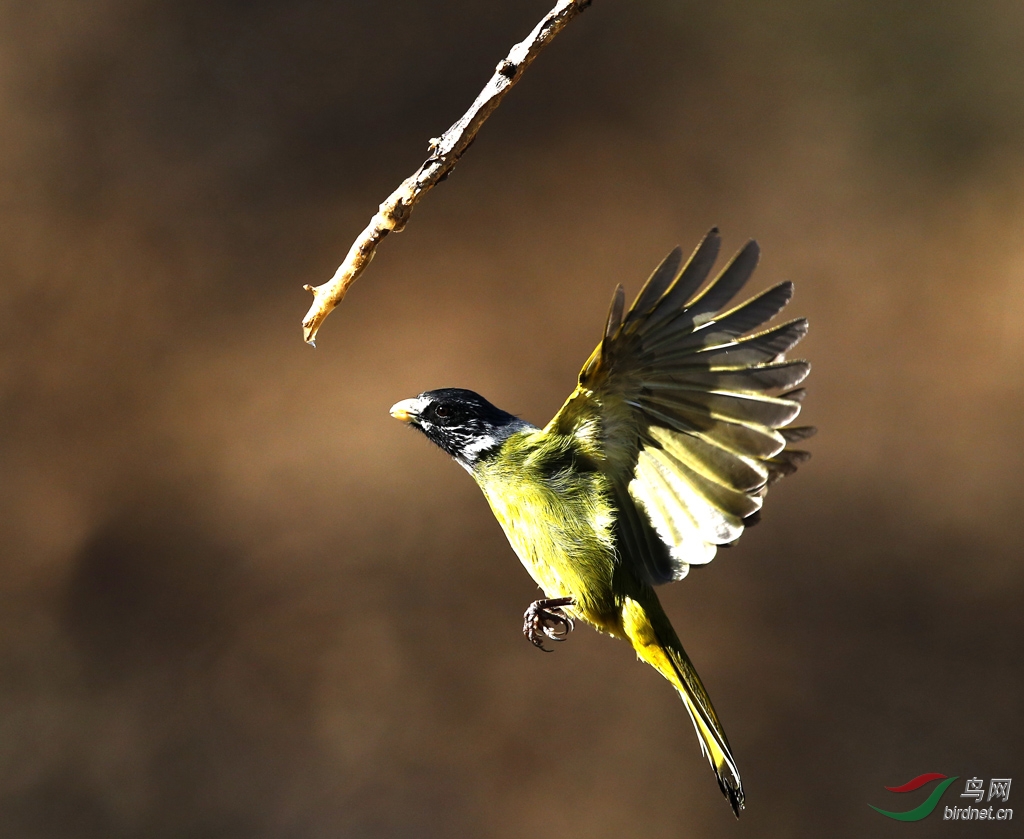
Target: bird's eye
441, 411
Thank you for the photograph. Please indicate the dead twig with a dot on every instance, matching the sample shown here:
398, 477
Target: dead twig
445, 152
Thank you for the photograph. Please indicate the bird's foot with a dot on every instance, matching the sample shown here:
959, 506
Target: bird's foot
546, 619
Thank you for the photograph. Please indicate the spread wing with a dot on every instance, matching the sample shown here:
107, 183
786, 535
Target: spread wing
688, 408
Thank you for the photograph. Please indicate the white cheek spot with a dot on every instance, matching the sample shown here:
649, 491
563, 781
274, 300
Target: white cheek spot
479, 446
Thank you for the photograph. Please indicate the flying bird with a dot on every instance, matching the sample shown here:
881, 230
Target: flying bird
662, 454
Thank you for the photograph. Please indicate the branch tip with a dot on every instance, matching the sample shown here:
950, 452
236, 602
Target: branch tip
444, 152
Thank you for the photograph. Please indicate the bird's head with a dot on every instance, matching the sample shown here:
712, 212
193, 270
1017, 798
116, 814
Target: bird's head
459, 421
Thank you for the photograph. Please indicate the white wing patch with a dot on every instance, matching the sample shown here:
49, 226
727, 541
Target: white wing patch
669, 504
695, 502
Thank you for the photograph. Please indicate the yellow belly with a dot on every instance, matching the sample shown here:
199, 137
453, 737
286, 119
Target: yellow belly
563, 539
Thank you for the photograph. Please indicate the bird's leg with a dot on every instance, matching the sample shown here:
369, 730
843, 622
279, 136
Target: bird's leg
546, 619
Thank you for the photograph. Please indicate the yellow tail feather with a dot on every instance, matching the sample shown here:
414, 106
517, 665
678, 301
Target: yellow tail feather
655, 642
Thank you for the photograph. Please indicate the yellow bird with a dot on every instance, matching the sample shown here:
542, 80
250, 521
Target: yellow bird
664, 452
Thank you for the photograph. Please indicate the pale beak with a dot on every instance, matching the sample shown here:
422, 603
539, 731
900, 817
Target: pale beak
407, 410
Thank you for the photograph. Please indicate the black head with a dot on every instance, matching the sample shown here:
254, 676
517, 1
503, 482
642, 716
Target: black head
461, 422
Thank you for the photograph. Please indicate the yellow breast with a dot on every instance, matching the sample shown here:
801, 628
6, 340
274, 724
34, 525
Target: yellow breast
556, 517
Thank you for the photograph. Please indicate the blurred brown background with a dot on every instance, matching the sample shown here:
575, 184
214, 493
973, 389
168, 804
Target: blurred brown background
238, 600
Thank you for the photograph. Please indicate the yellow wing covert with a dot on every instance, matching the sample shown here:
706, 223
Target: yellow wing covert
688, 408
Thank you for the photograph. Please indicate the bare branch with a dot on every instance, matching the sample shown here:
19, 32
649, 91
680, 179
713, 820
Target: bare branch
445, 152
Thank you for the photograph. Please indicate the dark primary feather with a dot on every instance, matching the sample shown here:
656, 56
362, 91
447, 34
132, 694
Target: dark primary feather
772, 376
615, 313
751, 350
657, 283
795, 435
694, 402
696, 271
715, 295
738, 321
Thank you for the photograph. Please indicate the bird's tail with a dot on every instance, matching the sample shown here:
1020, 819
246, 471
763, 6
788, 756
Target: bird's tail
655, 642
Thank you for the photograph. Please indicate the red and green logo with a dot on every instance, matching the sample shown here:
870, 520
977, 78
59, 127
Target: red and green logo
925, 807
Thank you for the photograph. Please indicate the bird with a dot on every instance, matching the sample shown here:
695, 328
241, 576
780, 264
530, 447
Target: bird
679, 423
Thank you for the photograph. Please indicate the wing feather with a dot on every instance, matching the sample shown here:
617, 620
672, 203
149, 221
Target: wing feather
722, 404
689, 409
716, 294
746, 440
639, 539
689, 280
710, 461
714, 525
615, 313
795, 434
727, 327
756, 379
763, 347
657, 284
665, 502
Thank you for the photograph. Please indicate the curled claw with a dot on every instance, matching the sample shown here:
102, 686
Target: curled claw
547, 619
556, 624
